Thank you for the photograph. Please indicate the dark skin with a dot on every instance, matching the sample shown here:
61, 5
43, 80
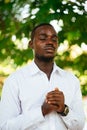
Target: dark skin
45, 46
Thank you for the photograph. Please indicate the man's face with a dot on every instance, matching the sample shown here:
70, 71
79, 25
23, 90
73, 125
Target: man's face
45, 43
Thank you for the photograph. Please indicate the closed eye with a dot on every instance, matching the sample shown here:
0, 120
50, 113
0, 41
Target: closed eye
43, 37
54, 39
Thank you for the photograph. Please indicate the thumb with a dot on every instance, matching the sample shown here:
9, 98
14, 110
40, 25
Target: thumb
56, 89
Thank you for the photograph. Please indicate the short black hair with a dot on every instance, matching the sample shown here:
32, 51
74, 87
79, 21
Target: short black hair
37, 26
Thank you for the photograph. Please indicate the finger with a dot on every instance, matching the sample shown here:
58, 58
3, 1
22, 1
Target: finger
56, 89
55, 102
53, 105
54, 94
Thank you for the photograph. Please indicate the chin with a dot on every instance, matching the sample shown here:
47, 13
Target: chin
47, 59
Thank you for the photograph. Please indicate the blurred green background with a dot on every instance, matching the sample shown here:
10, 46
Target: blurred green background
69, 17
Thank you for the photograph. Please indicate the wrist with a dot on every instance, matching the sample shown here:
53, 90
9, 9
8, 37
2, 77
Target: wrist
65, 111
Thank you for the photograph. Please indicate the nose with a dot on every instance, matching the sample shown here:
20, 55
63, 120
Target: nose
49, 40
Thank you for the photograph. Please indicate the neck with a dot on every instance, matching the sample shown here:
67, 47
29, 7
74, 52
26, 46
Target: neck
46, 67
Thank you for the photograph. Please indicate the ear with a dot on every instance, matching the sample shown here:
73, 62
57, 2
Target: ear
30, 44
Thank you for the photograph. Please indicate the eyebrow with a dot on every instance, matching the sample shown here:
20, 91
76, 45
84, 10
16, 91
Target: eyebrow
54, 35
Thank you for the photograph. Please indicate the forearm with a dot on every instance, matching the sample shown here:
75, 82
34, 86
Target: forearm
74, 121
26, 120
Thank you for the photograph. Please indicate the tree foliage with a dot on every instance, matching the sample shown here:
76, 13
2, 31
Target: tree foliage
19, 17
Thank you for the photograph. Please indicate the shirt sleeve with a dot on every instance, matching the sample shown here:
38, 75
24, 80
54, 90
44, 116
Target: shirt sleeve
75, 119
11, 115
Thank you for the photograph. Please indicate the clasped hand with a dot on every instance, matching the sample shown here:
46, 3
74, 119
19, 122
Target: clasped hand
54, 102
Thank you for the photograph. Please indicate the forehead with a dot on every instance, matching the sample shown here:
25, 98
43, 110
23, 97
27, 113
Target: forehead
46, 29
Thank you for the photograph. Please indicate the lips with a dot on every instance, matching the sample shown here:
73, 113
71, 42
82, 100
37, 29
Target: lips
49, 48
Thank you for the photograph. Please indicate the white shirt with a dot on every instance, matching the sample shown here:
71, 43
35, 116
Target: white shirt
24, 93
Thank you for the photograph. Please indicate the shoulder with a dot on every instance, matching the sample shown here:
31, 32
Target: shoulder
70, 79
19, 74
68, 75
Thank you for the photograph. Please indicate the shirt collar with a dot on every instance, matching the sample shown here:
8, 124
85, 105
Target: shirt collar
34, 69
57, 69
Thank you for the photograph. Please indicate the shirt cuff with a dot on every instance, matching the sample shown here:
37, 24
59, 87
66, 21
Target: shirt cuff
70, 119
